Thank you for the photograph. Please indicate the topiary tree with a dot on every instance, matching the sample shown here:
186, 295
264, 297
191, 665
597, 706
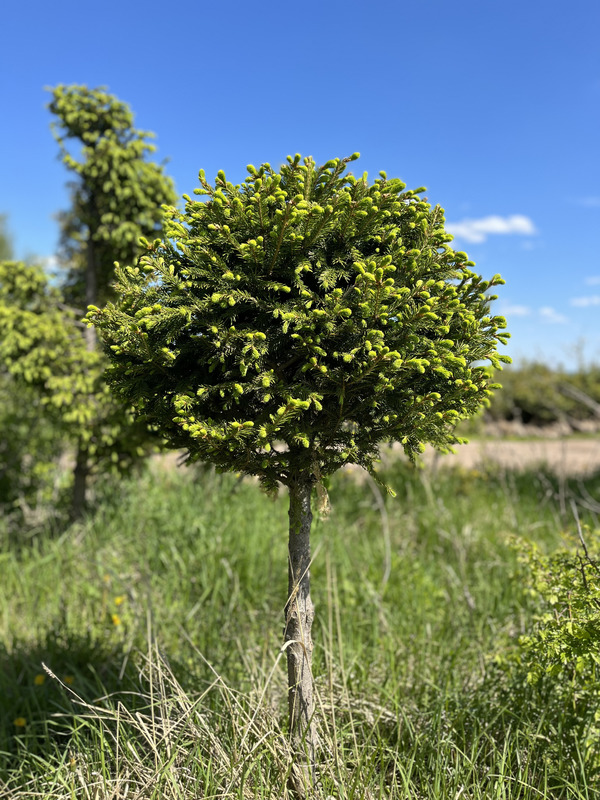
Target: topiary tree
288, 326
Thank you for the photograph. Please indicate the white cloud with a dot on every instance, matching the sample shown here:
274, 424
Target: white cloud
593, 280
548, 314
478, 230
516, 311
584, 302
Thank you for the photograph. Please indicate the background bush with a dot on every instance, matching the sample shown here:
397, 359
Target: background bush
534, 393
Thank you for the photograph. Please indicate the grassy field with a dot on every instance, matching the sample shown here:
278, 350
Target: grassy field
140, 653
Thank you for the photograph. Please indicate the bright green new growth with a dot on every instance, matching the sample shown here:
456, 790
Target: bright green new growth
118, 194
287, 326
42, 344
43, 349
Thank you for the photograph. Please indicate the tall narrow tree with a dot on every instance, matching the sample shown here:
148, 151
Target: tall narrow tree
117, 195
289, 325
116, 198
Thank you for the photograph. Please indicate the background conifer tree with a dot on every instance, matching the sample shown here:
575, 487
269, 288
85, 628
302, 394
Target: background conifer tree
116, 198
116, 195
290, 325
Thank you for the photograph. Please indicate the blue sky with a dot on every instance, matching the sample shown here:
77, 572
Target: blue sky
494, 106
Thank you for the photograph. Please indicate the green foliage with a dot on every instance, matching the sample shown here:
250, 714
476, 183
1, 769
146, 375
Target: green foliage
46, 374
49, 358
29, 444
537, 394
288, 325
47, 352
30, 475
559, 655
567, 586
49, 374
41, 342
117, 195
5, 240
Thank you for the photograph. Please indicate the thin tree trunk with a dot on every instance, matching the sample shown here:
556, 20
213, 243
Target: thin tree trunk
81, 471
299, 615
80, 474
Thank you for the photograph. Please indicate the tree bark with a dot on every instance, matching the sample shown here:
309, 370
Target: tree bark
81, 471
80, 475
299, 615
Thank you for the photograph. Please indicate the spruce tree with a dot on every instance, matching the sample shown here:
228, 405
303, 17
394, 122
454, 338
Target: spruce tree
117, 191
288, 326
116, 197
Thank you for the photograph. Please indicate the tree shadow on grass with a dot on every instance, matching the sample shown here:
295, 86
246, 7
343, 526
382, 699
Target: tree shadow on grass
48, 693
100, 719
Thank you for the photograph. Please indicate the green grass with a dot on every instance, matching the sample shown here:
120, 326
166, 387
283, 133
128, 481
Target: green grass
182, 694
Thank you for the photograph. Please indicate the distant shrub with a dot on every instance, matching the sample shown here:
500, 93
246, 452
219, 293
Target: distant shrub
536, 394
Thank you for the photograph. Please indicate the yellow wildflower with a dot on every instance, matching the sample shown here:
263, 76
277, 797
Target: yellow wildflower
120, 600
20, 722
39, 679
116, 619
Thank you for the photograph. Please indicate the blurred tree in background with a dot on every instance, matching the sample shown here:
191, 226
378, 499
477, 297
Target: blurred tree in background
536, 394
48, 355
53, 377
116, 198
6, 250
117, 193
28, 474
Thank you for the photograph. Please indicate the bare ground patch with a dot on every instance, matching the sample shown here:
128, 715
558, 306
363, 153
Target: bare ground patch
565, 456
